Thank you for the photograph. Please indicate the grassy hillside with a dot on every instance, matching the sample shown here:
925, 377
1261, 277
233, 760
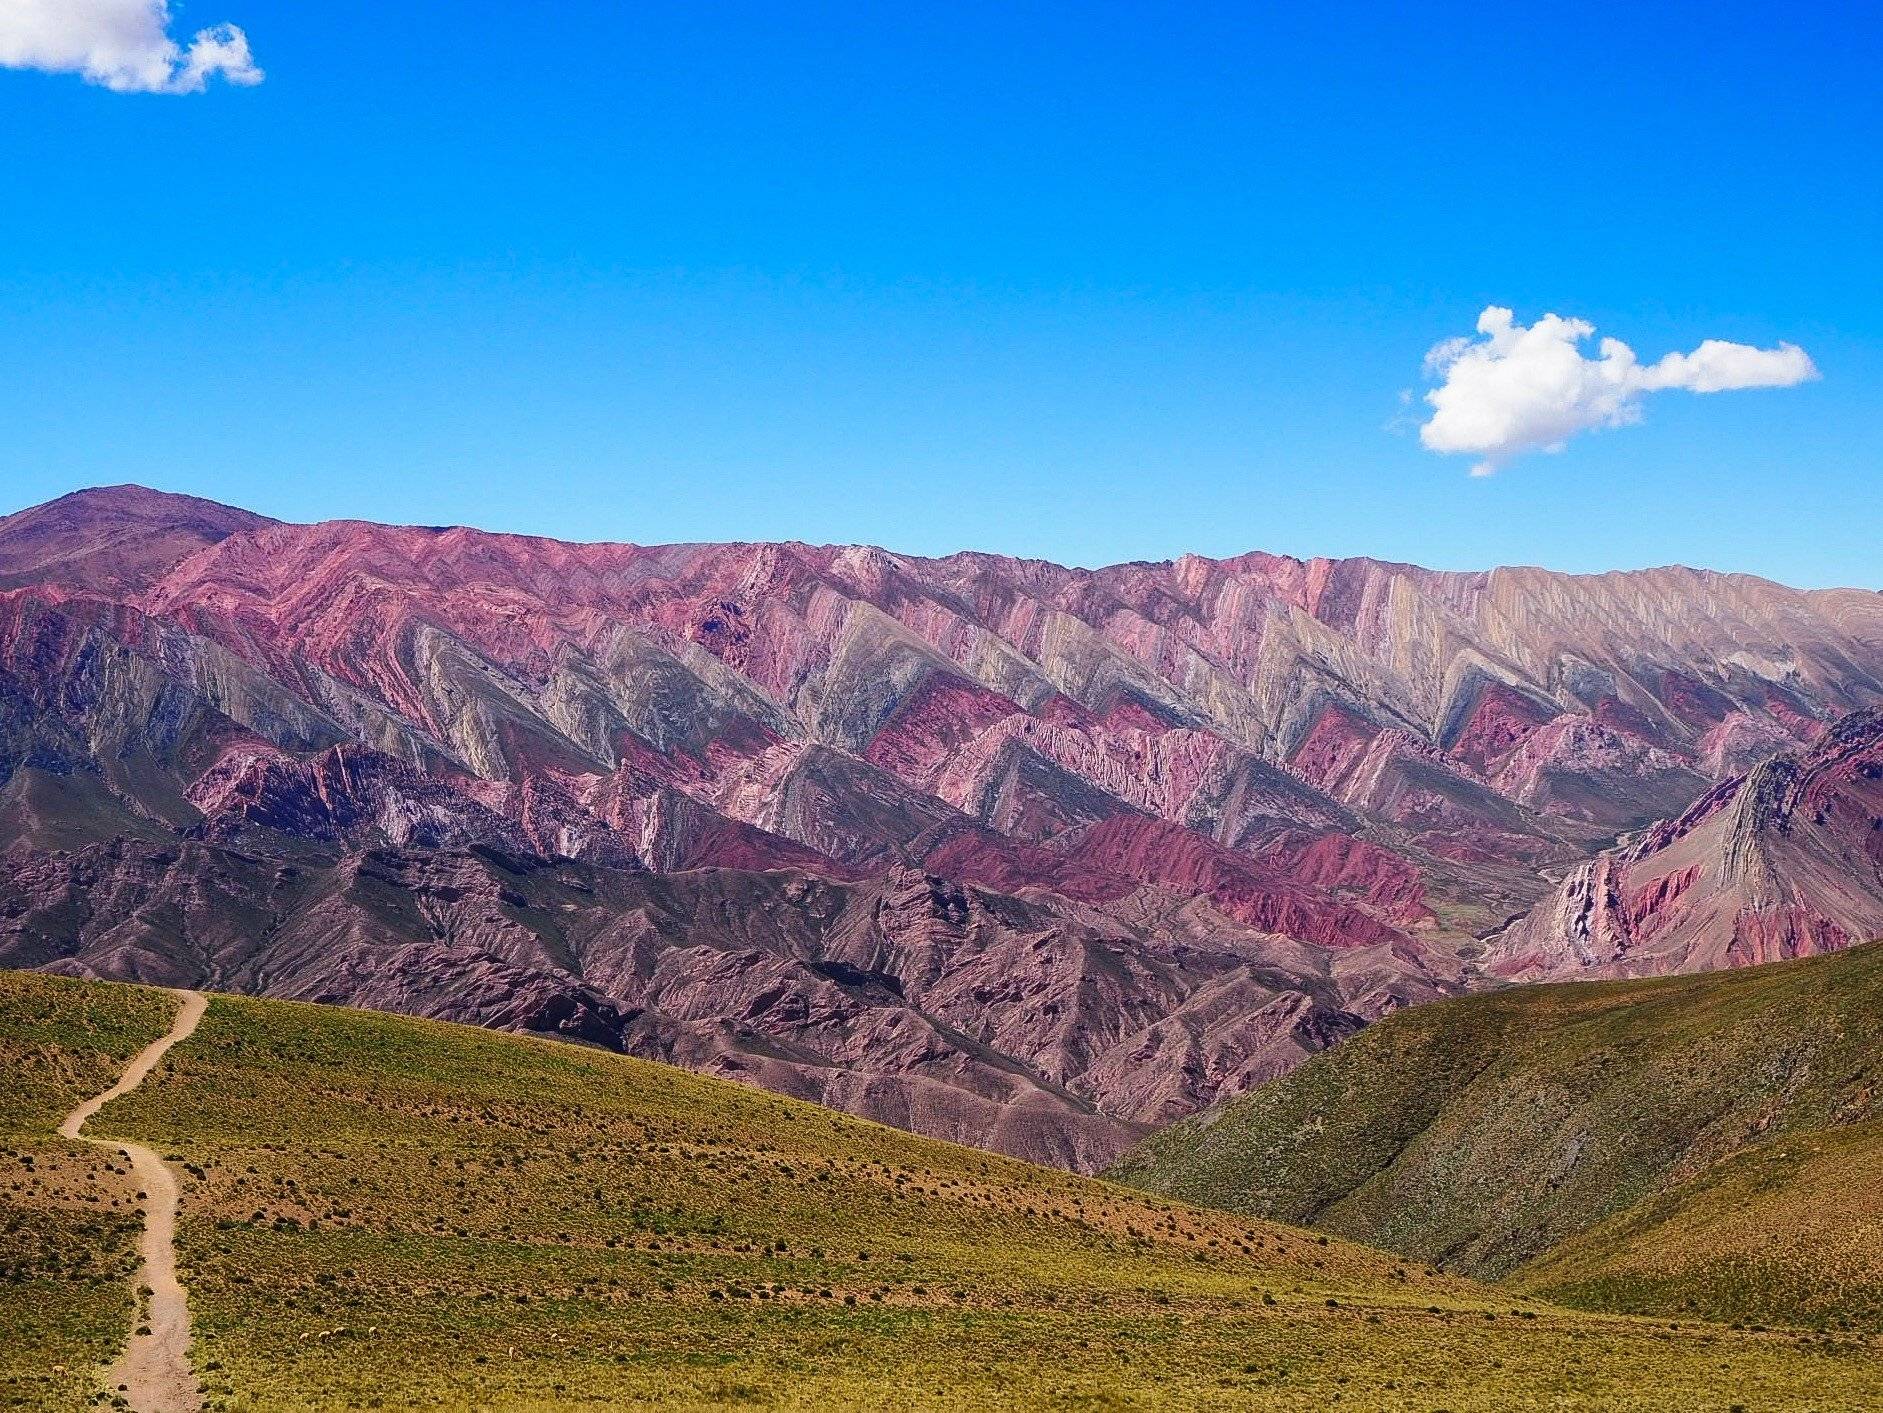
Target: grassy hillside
381, 1212
68, 1212
1790, 1229
1683, 1143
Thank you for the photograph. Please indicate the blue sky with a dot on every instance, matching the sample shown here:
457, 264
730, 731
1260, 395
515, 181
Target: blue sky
1089, 282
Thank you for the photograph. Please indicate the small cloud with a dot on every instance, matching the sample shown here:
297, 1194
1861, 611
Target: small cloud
1516, 389
123, 45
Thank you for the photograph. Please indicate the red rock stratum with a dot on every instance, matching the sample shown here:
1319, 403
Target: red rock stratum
1027, 856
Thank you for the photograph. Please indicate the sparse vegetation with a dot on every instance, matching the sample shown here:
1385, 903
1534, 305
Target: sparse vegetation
1694, 1145
68, 1212
383, 1212
1791, 1230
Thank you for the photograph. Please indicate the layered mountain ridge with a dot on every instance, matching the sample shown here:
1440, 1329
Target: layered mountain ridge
1022, 855
1784, 861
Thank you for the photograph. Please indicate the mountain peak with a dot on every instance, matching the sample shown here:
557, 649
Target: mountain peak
113, 538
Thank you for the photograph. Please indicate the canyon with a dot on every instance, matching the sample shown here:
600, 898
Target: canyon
1024, 856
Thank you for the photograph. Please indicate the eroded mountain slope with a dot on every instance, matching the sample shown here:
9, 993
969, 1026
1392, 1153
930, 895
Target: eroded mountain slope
1786, 861
1019, 854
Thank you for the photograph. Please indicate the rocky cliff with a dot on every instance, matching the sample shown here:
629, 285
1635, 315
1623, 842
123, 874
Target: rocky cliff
1784, 861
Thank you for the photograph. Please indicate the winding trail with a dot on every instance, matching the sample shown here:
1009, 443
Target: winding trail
154, 1370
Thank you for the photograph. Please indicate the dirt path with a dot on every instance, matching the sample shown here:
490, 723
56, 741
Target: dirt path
154, 1371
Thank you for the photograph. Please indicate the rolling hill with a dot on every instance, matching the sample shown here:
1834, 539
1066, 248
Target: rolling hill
68, 1213
1684, 1144
1789, 1229
379, 1211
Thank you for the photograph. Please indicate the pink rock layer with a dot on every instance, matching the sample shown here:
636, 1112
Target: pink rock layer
994, 849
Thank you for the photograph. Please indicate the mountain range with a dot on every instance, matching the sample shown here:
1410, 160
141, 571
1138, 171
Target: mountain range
1031, 857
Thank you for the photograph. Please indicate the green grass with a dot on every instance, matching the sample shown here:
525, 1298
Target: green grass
68, 1214
1792, 1228
380, 1212
1535, 1133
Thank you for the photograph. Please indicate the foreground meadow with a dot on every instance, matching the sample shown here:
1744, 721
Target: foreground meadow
382, 1213
68, 1212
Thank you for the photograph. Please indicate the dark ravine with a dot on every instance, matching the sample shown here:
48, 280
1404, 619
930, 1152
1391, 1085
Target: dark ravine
1030, 857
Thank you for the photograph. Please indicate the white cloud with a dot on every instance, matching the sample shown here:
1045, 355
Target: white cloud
123, 45
1518, 389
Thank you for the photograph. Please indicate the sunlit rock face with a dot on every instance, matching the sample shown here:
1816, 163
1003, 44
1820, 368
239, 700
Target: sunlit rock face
1016, 854
1785, 861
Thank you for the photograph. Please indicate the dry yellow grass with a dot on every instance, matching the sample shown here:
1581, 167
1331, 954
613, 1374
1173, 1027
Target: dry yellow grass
1794, 1225
1684, 1145
387, 1213
68, 1213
